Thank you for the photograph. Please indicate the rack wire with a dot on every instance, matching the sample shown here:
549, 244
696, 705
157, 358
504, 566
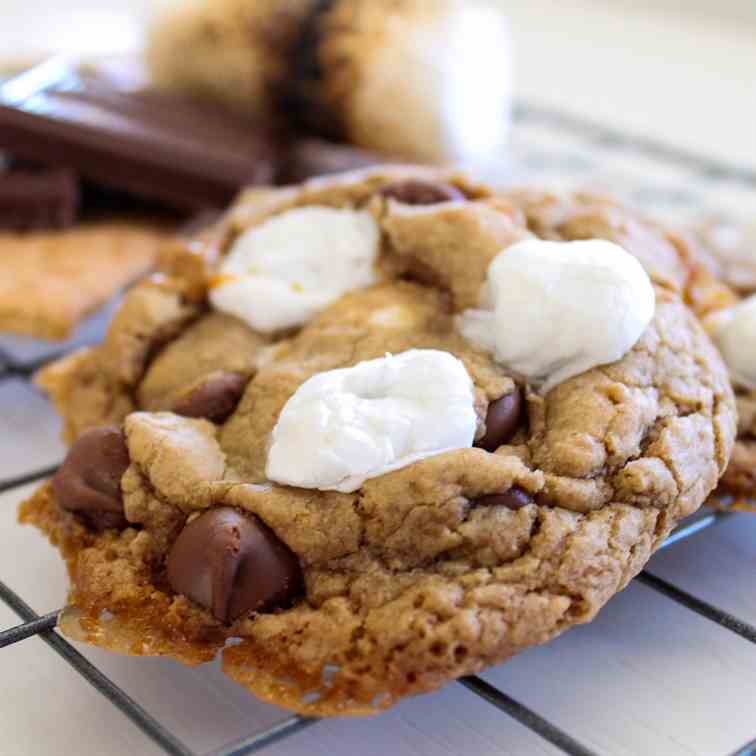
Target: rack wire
530, 157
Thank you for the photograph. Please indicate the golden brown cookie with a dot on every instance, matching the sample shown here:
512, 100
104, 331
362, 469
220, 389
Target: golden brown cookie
723, 254
691, 262
344, 601
49, 281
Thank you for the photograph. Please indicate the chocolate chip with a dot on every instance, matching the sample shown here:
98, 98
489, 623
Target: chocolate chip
232, 564
515, 498
215, 397
416, 192
33, 198
502, 419
89, 481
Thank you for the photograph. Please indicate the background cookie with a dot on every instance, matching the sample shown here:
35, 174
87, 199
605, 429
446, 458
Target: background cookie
682, 260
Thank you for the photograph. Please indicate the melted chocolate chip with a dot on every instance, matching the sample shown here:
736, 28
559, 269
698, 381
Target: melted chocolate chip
89, 481
416, 192
215, 398
502, 419
232, 564
515, 498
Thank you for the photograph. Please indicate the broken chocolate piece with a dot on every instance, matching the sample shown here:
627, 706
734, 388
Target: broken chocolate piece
186, 153
33, 200
308, 158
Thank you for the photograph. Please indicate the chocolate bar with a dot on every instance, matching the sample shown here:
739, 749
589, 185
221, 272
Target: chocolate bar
311, 157
185, 153
33, 199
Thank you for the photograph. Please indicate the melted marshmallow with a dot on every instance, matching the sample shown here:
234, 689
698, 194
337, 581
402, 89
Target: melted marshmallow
552, 310
286, 270
344, 426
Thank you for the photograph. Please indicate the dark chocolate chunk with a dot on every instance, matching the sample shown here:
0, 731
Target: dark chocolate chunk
308, 158
214, 398
37, 199
417, 192
515, 498
232, 564
89, 481
186, 153
502, 420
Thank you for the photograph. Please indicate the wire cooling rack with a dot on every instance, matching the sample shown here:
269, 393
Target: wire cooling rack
548, 148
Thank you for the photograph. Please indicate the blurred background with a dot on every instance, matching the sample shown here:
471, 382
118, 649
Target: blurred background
678, 70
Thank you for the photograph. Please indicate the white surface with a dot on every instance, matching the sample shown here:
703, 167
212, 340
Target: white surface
597, 292
343, 427
669, 75
30, 431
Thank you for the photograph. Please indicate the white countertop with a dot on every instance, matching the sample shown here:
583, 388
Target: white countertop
647, 676
687, 80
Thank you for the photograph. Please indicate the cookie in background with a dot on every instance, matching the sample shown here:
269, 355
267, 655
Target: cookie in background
726, 253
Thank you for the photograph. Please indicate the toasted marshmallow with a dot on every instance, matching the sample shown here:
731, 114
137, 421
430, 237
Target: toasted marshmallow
734, 332
342, 427
552, 310
446, 71
286, 270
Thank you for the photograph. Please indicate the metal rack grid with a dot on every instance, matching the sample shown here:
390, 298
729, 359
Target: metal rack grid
581, 163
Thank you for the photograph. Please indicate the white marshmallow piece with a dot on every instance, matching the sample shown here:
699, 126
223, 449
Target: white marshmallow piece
342, 427
283, 272
734, 332
552, 310
440, 89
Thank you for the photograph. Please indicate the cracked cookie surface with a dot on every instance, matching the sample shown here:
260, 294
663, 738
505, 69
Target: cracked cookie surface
422, 574
681, 260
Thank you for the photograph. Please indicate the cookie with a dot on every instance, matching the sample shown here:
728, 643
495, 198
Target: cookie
730, 322
693, 263
78, 269
325, 454
330, 68
728, 250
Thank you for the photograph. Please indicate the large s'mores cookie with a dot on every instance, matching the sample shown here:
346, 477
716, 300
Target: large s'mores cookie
382, 432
